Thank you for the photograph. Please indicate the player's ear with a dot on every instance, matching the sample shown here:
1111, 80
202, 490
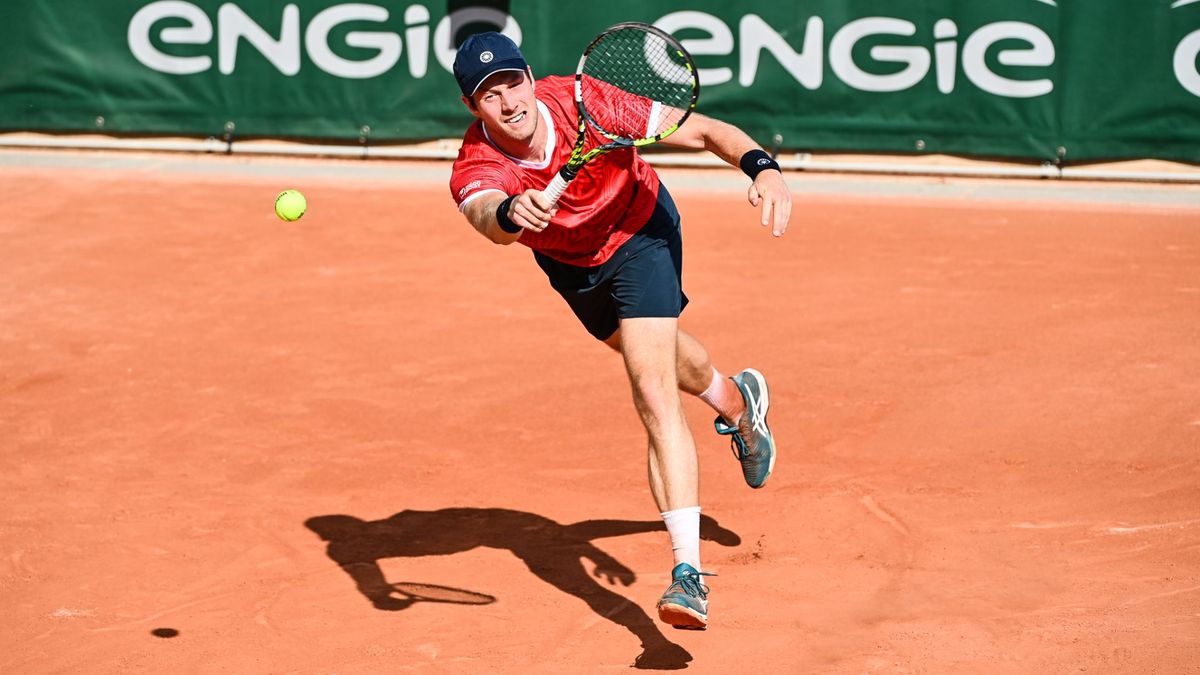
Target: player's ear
529, 74
470, 103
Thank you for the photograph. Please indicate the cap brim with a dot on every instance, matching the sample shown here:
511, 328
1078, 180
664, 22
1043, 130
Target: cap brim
511, 65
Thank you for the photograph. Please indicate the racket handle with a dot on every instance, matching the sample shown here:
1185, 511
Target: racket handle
555, 189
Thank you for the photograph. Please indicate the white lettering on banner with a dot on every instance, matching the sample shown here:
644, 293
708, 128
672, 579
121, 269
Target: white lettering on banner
841, 55
807, 67
386, 45
946, 53
917, 59
233, 25
718, 43
955, 58
416, 17
1185, 63
1040, 53
283, 53
198, 33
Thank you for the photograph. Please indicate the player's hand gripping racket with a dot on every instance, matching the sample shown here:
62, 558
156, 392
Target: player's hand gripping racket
635, 85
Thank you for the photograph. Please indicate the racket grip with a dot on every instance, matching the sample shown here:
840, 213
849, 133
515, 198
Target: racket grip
555, 189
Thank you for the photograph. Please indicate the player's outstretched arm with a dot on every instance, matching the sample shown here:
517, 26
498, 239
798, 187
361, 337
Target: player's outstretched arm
503, 219
769, 190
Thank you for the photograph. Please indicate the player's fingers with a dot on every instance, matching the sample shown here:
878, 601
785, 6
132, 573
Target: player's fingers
538, 198
541, 207
528, 217
783, 213
539, 217
768, 205
752, 195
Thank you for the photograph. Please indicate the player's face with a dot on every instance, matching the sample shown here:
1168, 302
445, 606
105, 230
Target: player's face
506, 104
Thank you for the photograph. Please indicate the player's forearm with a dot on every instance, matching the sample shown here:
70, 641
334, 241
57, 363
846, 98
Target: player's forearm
729, 142
720, 138
481, 213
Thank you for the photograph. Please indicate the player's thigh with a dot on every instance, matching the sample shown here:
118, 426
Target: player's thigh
648, 348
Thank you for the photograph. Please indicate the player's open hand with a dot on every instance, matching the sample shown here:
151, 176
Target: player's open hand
532, 211
771, 191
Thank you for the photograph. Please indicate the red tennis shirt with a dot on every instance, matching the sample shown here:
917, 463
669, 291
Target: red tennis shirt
608, 202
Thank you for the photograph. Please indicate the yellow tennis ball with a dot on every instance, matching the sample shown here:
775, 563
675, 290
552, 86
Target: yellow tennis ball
290, 205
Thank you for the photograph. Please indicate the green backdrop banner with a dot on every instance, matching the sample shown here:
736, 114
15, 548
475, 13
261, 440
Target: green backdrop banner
1065, 80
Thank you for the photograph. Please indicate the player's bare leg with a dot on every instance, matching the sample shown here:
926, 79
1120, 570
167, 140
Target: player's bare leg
741, 402
649, 347
693, 367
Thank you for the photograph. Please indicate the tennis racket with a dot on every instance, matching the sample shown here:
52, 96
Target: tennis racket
635, 85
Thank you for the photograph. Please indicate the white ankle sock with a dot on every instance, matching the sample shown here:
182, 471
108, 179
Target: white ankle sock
724, 397
684, 527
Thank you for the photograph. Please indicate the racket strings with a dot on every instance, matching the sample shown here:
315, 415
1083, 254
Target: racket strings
636, 85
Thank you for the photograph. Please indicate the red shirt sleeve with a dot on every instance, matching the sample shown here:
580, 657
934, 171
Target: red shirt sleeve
479, 169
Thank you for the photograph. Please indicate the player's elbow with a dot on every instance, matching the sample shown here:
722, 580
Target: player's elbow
500, 237
486, 225
491, 231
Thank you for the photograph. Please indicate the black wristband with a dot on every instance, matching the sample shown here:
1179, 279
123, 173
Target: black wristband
502, 218
755, 162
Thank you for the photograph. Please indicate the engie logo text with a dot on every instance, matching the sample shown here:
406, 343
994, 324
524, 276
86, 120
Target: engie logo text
728, 53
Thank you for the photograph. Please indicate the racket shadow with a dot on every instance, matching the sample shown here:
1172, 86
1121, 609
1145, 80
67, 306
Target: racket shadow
412, 591
552, 551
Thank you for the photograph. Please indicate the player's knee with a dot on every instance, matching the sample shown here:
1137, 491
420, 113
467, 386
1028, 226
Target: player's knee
655, 397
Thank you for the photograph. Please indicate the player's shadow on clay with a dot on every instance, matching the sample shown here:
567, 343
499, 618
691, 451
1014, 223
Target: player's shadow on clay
552, 551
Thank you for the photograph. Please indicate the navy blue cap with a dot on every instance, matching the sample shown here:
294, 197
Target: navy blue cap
482, 55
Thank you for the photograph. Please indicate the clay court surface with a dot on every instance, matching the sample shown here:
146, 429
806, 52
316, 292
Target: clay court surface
230, 431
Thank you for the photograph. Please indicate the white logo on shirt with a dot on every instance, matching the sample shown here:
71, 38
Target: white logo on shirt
468, 187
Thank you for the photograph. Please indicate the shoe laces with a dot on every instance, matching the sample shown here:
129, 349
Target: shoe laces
737, 442
691, 584
738, 446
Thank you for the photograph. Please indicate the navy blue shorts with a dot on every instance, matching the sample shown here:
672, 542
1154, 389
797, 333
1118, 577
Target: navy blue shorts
642, 279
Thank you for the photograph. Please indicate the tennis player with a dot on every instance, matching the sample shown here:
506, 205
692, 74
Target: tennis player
612, 248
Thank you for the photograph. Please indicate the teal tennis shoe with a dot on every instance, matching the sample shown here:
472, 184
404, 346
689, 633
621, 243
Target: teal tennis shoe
685, 602
752, 442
